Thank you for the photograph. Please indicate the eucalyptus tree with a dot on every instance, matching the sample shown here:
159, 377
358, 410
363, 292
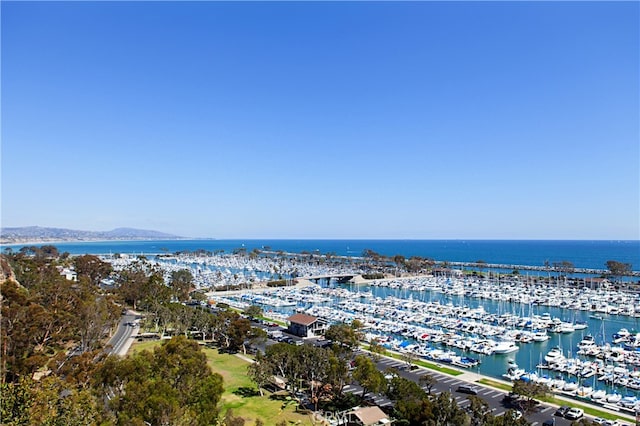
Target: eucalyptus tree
530, 391
181, 282
428, 381
617, 269
260, 371
377, 350
286, 363
94, 314
480, 411
411, 405
93, 267
446, 412
366, 373
171, 385
315, 363
345, 338
253, 311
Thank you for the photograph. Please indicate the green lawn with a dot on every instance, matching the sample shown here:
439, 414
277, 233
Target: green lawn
240, 394
495, 384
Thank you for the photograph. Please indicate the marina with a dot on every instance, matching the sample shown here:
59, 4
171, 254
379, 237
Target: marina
547, 335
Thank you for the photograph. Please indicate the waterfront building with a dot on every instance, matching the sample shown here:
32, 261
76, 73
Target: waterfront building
304, 325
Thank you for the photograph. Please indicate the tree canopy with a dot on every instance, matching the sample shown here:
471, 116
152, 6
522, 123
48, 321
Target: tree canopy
171, 385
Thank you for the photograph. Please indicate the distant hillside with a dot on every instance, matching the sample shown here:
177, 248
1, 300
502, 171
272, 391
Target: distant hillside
43, 234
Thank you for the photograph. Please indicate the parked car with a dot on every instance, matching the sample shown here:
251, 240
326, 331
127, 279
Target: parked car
467, 389
549, 422
574, 413
515, 414
562, 411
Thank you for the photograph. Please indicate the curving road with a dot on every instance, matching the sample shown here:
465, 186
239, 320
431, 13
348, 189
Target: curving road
123, 337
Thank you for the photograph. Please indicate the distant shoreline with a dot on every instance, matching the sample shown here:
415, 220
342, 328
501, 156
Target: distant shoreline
32, 242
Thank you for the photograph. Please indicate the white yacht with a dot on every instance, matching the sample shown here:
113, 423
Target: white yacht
505, 347
587, 342
554, 355
540, 336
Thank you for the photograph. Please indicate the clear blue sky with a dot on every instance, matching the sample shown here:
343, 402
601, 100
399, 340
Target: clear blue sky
323, 120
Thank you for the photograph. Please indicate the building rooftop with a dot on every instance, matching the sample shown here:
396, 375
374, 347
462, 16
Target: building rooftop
302, 319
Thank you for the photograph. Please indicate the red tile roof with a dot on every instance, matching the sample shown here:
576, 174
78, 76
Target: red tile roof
302, 319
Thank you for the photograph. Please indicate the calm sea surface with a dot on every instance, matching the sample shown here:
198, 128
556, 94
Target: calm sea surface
583, 254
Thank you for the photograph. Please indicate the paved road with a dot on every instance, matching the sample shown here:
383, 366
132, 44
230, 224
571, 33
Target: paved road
123, 338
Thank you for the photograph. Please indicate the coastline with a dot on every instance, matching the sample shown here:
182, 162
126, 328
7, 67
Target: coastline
525, 257
46, 241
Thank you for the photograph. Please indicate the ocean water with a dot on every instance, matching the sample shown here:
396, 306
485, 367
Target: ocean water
582, 253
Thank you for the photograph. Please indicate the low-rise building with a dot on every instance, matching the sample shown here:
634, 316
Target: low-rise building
304, 325
368, 416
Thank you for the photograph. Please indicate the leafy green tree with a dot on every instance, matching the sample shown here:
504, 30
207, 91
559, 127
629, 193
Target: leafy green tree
618, 269
315, 368
253, 311
256, 336
428, 381
564, 267
170, 386
479, 411
55, 403
411, 405
377, 350
368, 376
239, 329
446, 412
345, 339
399, 260
260, 371
131, 282
181, 284
94, 314
16, 401
34, 323
92, 267
401, 388
408, 358
413, 411
283, 358
530, 391
337, 376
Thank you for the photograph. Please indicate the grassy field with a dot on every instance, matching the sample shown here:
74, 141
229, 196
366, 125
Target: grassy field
240, 394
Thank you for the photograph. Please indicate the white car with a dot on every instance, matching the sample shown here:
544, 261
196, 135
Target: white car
574, 413
516, 415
